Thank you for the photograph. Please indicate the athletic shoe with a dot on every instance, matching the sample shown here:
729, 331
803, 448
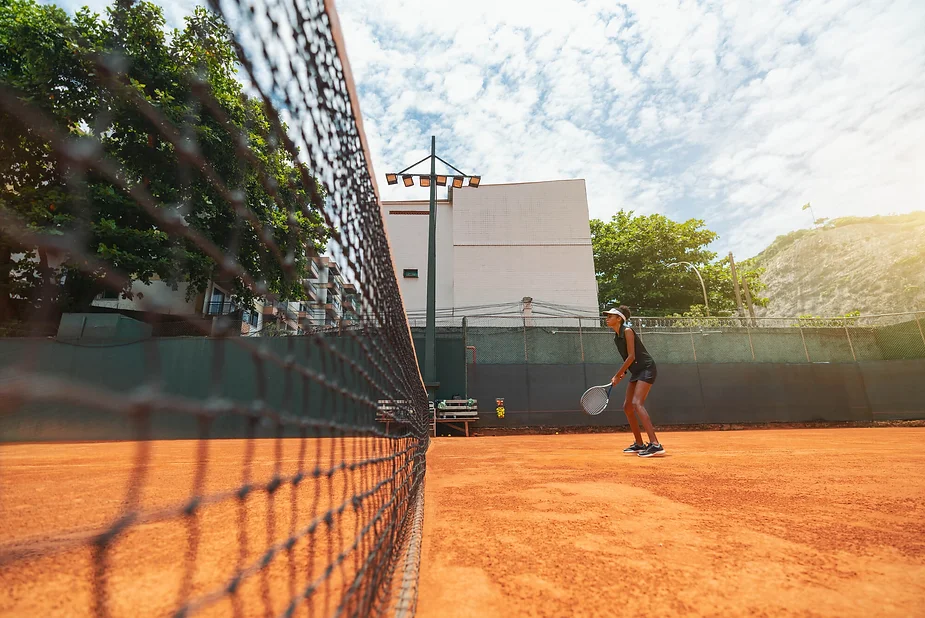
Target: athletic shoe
653, 450
635, 448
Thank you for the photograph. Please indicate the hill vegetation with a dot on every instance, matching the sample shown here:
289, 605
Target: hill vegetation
867, 264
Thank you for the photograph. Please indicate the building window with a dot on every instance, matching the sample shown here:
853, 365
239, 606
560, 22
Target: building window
251, 317
218, 305
411, 273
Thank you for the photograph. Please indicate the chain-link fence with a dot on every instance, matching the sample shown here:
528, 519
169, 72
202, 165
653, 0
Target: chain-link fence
573, 339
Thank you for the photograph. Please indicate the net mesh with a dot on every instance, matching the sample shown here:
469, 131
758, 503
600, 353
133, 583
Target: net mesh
193, 264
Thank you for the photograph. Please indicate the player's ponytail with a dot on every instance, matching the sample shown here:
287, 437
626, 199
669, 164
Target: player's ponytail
626, 311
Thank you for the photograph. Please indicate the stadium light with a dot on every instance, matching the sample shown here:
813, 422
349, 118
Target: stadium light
706, 303
432, 180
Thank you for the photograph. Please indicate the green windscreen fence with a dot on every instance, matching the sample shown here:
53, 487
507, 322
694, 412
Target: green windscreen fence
573, 340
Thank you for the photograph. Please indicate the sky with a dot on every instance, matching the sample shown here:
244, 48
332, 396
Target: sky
737, 113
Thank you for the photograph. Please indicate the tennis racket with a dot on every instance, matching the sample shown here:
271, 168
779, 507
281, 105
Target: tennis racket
596, 398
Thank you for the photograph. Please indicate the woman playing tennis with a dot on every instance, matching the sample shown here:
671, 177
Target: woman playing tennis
643, 371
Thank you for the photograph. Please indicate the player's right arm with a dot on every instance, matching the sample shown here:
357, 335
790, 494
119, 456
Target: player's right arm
630, 356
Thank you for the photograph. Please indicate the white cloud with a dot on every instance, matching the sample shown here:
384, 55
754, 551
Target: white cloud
736, 112
732, 111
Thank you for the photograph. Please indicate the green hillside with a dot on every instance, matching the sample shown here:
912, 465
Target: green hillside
867, 264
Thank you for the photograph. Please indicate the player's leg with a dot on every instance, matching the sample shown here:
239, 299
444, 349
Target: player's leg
638, 402
628, 409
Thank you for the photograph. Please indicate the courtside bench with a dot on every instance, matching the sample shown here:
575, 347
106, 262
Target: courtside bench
457, 413
391, 410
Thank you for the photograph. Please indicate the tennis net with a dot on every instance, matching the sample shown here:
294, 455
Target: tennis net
201, 332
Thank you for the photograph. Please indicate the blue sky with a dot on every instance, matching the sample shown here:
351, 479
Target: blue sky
734, 112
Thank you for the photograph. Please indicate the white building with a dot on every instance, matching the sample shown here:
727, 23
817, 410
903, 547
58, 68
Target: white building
496, 245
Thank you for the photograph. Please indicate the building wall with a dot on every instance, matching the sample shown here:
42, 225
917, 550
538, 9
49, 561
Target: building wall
408, 239
497, 244
517, 240
173, 301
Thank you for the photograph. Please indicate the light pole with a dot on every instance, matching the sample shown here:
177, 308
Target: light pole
706, 303
432, 180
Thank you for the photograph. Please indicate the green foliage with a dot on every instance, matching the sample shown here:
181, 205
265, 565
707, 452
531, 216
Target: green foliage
633, 256
781, 243
784, 241
47, 57
814, 321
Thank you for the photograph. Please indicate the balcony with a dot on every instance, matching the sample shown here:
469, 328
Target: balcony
314, 271
311, 289
286, 310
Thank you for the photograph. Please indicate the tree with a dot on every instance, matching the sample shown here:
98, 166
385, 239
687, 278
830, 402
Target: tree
50, 60
632, 257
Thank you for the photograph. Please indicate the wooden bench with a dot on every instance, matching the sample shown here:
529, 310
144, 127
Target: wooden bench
389, 411
457, 413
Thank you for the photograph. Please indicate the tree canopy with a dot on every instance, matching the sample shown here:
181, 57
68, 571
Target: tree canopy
52, 61
633, 257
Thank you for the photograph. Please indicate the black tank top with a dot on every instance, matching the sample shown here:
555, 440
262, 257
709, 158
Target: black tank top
643, 360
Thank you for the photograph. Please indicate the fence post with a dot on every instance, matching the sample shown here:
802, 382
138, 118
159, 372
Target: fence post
526, 358
750, 344
850, 344
693, 347
803, 337
581, 341
465, 334
919, 324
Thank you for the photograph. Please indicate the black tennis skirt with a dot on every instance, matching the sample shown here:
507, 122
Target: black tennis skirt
647, 374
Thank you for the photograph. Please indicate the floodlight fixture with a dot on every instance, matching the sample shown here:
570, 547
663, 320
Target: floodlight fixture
408, 180
474, 181
392, 179
441, 181
457, 182
425, 180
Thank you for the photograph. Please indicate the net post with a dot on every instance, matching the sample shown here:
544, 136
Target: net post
803, 337
850, 344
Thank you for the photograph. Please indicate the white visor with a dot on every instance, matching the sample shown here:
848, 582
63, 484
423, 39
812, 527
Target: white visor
615, 312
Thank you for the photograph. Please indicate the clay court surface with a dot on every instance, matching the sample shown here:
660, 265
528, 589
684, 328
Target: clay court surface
827, 522
821, 522
76, 489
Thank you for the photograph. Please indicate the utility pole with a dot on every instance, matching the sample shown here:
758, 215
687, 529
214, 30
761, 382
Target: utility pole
748, 299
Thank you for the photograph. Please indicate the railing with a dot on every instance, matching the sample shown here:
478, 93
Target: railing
220, 307
285, 310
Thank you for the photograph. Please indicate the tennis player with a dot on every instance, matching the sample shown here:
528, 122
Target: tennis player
643, 371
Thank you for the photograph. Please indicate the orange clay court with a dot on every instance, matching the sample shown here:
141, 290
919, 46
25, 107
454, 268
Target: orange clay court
805, 522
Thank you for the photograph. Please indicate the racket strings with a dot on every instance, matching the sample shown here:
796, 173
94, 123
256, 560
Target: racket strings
594, 401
